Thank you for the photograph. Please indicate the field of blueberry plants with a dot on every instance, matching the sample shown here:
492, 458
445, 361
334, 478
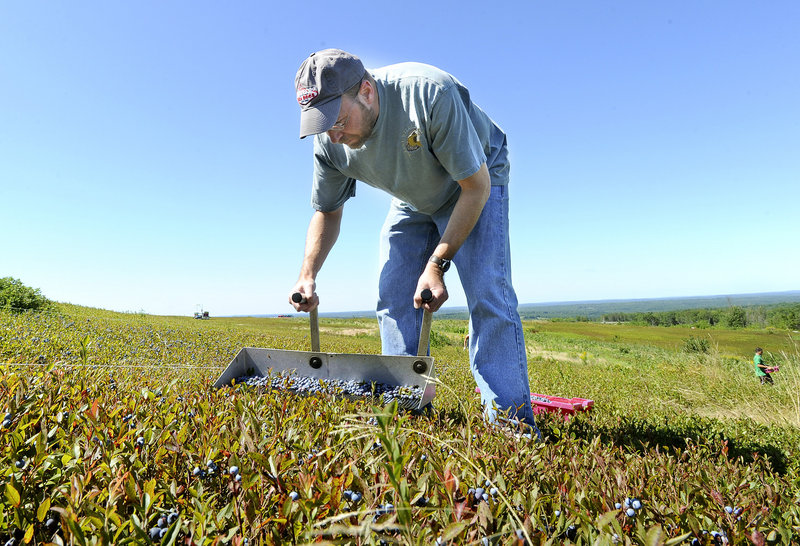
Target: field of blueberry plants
113, 434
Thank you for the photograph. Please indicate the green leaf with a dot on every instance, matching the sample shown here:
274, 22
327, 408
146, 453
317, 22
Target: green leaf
694, 525
453, 530
41, 513
150, 487
77, 532
225, 513
130, 489
677, 540
12, 495
273, 468
654, 536
604, 520
172, 533
138, 530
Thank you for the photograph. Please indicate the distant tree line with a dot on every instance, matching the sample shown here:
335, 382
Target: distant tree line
783, 316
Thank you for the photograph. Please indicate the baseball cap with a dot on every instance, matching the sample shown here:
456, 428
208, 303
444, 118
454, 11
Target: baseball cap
320, 82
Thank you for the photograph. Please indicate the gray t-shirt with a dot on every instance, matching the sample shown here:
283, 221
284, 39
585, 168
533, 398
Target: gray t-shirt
428, 135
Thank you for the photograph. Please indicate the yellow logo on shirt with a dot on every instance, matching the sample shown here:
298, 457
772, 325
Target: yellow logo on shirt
412, 142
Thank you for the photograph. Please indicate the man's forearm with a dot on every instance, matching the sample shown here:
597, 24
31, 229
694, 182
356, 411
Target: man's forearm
474, 193
323, 230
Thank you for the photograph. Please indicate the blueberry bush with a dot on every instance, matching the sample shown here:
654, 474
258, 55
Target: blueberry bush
113, 434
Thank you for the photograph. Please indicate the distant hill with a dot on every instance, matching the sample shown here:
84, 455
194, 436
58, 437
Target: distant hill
595, 309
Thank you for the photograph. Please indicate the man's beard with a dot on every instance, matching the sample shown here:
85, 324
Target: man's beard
368, 120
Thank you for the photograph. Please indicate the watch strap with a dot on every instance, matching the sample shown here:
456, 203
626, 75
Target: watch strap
442, 263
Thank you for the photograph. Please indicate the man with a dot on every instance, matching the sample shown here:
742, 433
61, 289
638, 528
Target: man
761, 367
412, 130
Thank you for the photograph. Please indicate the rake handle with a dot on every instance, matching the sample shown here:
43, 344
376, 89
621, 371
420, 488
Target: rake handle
313, 319
425, 332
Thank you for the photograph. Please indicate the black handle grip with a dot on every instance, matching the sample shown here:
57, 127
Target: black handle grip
297, 297
426, 295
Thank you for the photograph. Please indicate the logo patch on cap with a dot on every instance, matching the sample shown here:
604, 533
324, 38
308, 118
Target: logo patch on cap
306, 95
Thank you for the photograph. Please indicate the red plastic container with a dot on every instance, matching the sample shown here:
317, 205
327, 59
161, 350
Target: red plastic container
556, 404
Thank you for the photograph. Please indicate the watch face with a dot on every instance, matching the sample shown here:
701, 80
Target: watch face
441, 263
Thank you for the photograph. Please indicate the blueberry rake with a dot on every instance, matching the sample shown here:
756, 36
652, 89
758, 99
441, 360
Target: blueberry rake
408, 379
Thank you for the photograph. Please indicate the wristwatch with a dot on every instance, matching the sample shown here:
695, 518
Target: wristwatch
443, 264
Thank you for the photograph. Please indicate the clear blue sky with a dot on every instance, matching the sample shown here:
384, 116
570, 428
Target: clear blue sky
149, 157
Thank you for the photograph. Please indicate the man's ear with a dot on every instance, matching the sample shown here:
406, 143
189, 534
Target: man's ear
367, 92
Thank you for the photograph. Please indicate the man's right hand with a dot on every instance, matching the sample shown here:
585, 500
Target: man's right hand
309, 299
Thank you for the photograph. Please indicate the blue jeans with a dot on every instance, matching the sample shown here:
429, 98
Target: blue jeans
496, 343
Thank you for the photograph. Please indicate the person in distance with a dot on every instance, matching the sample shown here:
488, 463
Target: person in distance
762, 370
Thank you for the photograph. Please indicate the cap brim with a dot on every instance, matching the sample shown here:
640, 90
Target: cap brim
320, 117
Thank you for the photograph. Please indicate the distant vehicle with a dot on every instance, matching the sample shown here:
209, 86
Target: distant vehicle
200, 314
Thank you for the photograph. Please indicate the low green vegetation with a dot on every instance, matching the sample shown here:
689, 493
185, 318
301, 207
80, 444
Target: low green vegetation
15, 296
782, 316
610, 309
113, 434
